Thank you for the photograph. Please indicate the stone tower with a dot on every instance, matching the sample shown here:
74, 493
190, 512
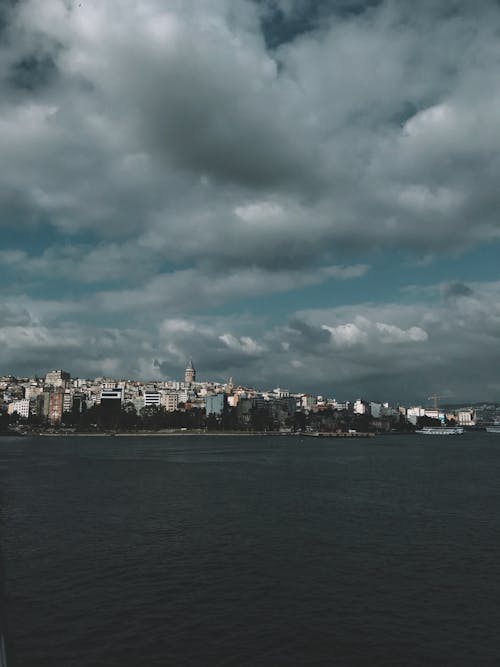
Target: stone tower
190, 373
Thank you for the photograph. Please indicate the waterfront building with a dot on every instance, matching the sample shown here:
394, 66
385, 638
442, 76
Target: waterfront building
414, 413
466, 417
67, 401
170, 401
56, 402
115, 394
42, 404
152, 398
215, 404
78, 404
244, 411
434, 413
359, 407
111, 395
111, 403
22, 408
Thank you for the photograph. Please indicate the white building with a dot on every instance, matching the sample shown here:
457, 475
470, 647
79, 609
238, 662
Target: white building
281, 393
183, 396
232, 401
22, 408
110, 394
152, 398
435, 414
466, 418
68, 401
359, 407
414, 413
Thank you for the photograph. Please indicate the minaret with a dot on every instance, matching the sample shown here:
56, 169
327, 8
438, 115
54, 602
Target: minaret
190, 373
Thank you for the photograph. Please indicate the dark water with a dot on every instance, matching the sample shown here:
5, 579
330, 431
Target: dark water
251, 551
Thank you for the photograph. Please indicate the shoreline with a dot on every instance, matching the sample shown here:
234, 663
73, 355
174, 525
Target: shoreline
149, 434
187, 433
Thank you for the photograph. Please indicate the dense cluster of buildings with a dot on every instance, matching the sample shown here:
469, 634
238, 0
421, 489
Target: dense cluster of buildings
52, 399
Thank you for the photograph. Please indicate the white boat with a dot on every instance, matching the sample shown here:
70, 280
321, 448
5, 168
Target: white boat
441, 430
493, 429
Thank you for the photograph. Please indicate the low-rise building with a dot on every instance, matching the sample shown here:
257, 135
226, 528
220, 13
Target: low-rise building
22, 408
466, 417
170, 401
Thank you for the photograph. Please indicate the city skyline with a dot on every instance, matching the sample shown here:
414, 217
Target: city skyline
189, 381
58, 400
299, 194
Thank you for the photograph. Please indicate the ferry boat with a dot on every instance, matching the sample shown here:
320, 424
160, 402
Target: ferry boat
441, 430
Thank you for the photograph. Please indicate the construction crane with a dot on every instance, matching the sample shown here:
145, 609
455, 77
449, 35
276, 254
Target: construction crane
435, 399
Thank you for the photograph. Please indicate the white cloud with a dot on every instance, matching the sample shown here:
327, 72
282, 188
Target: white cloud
393, 334
261, 213
244, 344
346, 335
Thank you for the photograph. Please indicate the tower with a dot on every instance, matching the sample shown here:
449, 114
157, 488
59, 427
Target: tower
190, 373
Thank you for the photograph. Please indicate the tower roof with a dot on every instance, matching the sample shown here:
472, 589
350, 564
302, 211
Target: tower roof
190, 366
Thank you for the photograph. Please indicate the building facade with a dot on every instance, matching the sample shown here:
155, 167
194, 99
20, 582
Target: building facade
152, 398
22, 408
56, 403
215, 404
57, 378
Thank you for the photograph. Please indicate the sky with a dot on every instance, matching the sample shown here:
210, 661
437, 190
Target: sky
294, 193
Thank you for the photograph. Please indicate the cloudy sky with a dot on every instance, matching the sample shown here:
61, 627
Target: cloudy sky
303, 193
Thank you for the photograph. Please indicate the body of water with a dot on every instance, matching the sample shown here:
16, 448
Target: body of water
249, 551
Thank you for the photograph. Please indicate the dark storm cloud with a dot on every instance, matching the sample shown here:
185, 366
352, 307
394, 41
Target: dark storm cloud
457, 290
13, 315
32, 71
185, 117
284, 20
305, 335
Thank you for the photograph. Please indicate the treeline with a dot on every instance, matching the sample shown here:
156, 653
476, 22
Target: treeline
125, 418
